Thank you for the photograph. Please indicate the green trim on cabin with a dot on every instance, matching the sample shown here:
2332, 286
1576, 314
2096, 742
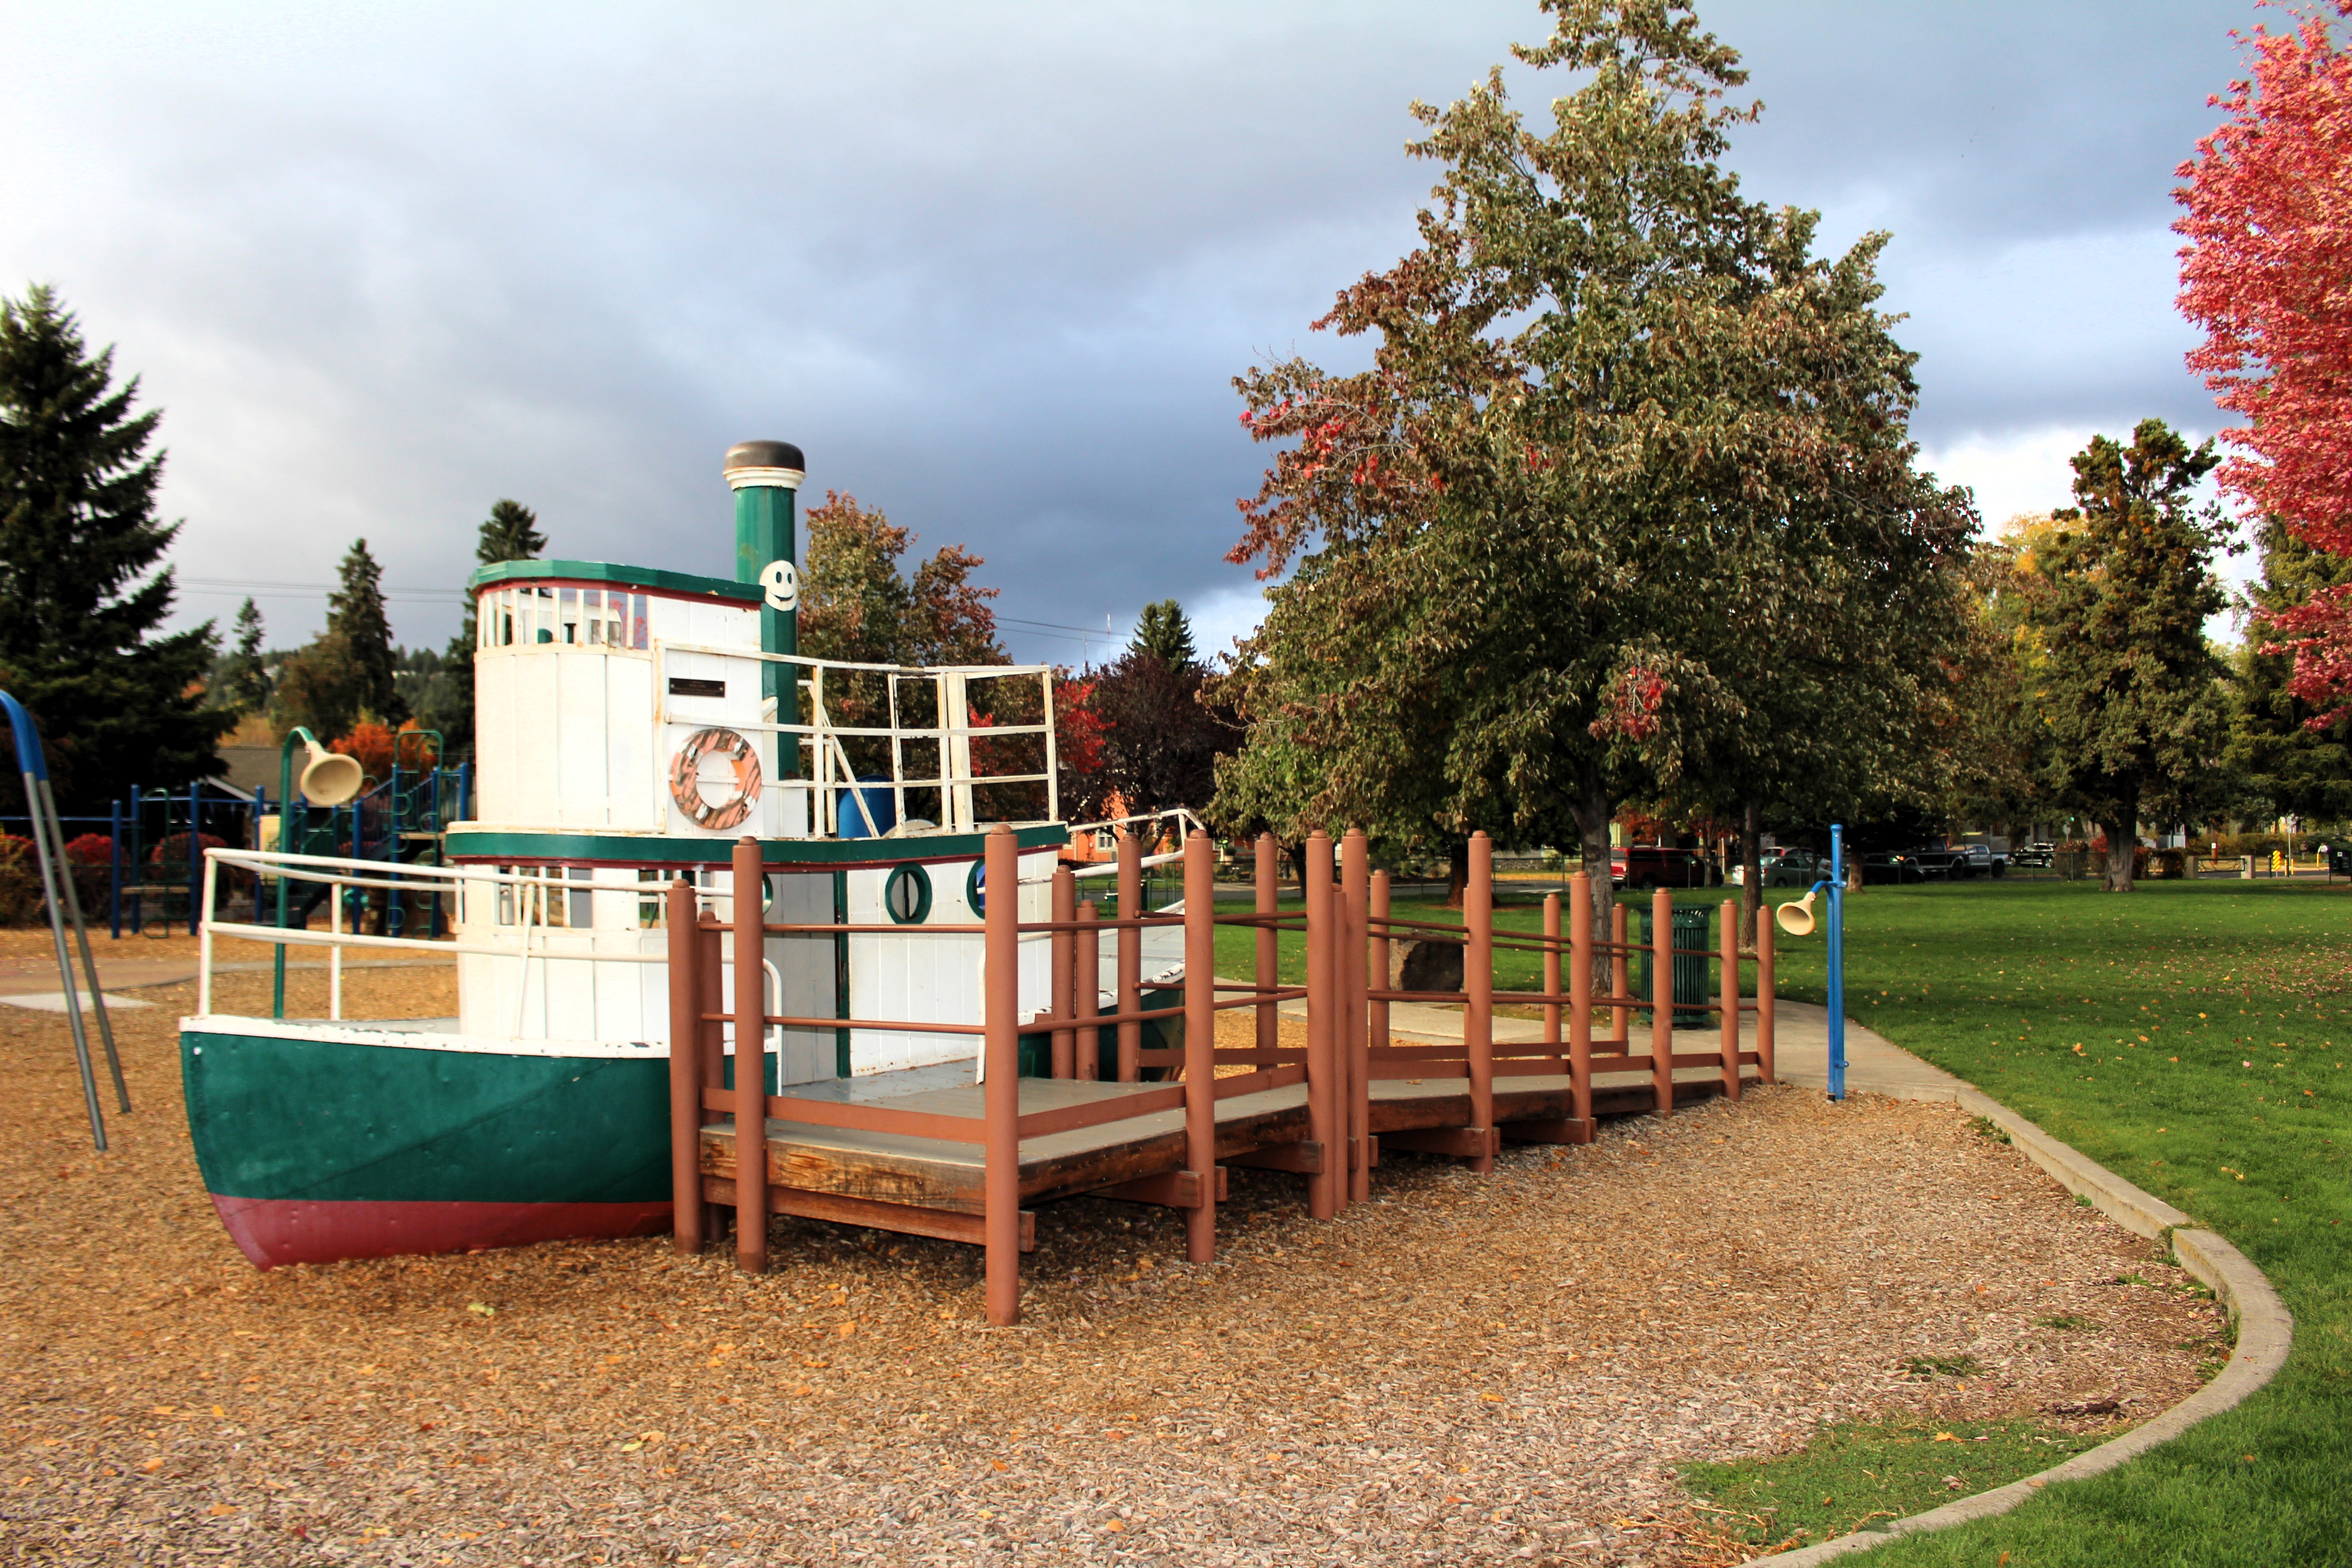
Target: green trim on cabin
467, 842
649, 578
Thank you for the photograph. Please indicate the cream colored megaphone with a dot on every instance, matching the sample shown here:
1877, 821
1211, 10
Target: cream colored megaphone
1796, 919
330, 778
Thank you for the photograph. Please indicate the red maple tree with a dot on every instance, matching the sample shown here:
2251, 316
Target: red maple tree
2267, 271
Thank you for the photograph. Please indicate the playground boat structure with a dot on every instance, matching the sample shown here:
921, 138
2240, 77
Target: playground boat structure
630, 736
690, 836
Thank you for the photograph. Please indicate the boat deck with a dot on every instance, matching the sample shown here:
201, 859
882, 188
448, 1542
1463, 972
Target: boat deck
831, 1173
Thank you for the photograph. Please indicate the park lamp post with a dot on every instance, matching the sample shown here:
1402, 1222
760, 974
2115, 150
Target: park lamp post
1796, 920
329, 779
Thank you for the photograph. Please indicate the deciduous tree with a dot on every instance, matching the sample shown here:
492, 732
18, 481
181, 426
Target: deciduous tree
1626, 493
2269, 226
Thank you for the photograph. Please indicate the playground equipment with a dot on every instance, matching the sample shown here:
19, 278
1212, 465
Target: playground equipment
329, 779
1796, 920
64, 903
921, 1027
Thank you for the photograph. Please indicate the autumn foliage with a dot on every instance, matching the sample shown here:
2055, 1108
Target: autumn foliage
372, 745
2269, 226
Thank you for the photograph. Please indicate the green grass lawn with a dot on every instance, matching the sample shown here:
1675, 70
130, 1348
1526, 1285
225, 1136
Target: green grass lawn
2185, 1037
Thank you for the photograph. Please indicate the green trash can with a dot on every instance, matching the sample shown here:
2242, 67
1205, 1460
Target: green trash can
1691, 951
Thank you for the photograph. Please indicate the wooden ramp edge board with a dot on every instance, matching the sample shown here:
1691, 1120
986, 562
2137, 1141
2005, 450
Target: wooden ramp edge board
932, 1173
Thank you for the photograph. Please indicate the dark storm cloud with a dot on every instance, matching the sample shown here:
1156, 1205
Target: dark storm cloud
992, 266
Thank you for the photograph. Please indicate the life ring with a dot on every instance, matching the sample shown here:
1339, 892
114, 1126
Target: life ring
686, 779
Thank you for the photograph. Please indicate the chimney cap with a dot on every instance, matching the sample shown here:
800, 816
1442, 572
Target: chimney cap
764, 455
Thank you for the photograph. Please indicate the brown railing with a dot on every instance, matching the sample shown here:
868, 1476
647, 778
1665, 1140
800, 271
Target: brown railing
1349, 930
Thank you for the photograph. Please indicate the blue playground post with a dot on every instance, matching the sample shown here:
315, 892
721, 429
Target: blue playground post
114, 869
1837, 960
195, 853
1796, 920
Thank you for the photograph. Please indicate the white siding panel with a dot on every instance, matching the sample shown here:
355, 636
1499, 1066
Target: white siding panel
583, 796
628, 746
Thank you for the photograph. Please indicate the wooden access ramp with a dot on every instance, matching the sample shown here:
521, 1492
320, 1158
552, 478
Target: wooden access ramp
931, 1152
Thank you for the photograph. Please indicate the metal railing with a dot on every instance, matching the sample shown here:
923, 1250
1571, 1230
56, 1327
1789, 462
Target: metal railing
828, 769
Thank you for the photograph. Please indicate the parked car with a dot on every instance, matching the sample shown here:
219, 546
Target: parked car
2037, 854
1650, 866
1795, 869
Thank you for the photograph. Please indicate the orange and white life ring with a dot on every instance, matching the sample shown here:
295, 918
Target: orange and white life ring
686, 779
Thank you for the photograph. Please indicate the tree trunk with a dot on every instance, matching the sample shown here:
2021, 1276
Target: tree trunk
1457, 875
1593, 813
1297, 855
2123, 839
1751, 871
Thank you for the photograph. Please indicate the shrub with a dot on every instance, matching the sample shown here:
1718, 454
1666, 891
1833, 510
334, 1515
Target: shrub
20, 881
91, 849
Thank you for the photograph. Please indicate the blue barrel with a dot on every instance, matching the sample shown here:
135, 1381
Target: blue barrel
881, 804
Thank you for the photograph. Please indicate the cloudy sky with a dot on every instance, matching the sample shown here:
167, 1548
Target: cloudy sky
993, 267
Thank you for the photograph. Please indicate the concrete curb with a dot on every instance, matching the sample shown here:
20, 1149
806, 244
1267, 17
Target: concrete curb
2264, 1333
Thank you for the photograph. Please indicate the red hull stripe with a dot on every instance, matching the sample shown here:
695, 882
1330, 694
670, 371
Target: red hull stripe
275, 1231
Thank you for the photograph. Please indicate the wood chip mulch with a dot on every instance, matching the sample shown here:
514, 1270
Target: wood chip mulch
1465, 1369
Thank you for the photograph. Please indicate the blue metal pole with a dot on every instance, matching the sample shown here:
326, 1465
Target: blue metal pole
195, 853
1837, 961
114, 869
49, 851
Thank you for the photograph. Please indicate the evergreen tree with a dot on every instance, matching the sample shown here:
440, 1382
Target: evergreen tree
355, 613
509, 533
1163, 633
2130, 689
2292, 768
244, 676
512, 533
117, 704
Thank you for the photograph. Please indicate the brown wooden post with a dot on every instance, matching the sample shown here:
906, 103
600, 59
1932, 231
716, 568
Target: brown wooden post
1087, 982
1621, 977
750, 1064
709, 947
1662, 998
1478, 984
1130, 955
1729, 960
1580, 995
1065, 970
1326, 1106
1001, 1063
1201, 1043
1764, 1042
1378, 1030
685, 1075
1355, 906
1551, 971
1269, 896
